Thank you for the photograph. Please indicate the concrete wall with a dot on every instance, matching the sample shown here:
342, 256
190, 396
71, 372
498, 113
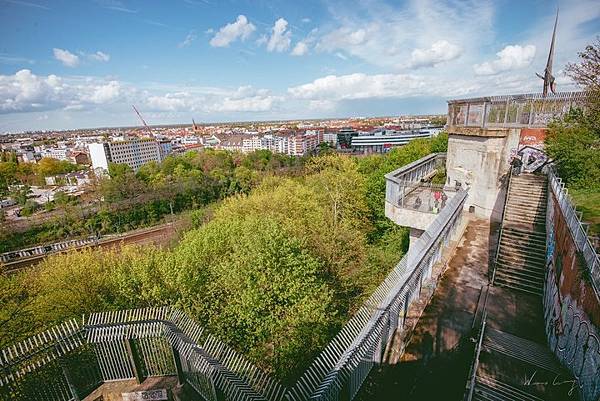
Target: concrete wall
571, 307
482, 162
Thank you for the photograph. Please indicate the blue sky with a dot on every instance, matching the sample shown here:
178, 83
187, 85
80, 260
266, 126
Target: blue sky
74, 64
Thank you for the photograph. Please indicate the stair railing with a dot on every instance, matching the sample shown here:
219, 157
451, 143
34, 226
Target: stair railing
509, 179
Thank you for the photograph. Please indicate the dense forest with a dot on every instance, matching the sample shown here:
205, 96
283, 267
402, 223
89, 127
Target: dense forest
274, 272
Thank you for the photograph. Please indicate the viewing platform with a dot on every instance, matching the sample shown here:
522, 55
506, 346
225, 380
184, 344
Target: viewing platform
510, 111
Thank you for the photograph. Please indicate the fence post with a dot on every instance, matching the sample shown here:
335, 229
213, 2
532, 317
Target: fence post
177, 360
135, 360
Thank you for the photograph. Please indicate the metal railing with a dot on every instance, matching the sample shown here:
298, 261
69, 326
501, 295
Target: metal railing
579, 230
512, 111
20, 254
129, 344
339, 371
401, 182
473, 372
509, 179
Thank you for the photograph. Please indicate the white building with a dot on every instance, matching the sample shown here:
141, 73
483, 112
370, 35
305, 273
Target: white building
56, 153
134, 153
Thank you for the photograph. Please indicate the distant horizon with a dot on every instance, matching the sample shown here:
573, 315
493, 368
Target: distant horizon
216, 123
272, 60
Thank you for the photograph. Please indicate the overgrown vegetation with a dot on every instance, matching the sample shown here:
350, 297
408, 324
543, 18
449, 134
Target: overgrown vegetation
275, 272
574, 141
128, 200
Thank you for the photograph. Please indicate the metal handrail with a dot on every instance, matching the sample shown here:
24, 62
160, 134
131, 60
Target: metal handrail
509, 179
475, 366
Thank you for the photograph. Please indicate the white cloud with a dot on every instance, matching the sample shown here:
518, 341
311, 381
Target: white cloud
336, 88
215, 100
300, 49
281, 38
386, 34
188, 39
66, 57
25, 91
105, 93
240, 29
510, 58
439, 52
100, 56
305, 20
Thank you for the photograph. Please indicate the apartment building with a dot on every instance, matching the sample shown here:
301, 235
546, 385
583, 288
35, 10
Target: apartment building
133, 152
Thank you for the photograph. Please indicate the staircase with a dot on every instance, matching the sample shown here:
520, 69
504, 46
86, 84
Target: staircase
521, 255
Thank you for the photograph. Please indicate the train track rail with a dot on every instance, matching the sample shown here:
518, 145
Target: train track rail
150, 235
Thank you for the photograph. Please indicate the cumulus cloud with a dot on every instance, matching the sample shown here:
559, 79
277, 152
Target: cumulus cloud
510, 58
66, 57
280, 38
300, 49
439, 52
100, 56
240, 29
25, 91
215, 100
335, 88
105, 93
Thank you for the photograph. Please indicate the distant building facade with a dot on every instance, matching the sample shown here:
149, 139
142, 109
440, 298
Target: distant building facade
133, 152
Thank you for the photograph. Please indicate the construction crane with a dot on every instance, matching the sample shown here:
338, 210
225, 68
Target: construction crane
141, 118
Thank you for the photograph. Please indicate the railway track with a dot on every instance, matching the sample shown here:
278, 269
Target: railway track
160, 234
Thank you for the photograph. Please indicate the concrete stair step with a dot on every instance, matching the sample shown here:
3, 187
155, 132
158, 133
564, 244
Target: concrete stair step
490, 389
510, 255
528, 177
524, 220
530, 240
539, 234
528, 191
523, 225
529, 207
524, 274
521, 260
515, 284
531, 352
510, 215
527, 203
540, 208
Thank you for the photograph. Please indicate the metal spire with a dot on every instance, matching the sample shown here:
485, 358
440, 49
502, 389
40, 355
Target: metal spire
549, 80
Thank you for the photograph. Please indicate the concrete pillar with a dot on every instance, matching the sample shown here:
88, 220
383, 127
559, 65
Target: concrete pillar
415, 234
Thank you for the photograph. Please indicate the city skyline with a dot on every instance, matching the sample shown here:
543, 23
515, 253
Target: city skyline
63, 69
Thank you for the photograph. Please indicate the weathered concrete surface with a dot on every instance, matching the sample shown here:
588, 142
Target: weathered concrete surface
436, 361
112, 391
481, 163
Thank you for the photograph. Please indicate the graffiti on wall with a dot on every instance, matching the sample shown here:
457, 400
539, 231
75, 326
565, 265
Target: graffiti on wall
572, 336
574, 340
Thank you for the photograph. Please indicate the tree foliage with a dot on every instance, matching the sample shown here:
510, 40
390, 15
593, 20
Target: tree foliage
574, 141
275, 272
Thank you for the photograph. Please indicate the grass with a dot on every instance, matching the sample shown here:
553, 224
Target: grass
588, 202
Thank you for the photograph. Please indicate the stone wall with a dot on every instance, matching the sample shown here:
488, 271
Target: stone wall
571, 306
481, 162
